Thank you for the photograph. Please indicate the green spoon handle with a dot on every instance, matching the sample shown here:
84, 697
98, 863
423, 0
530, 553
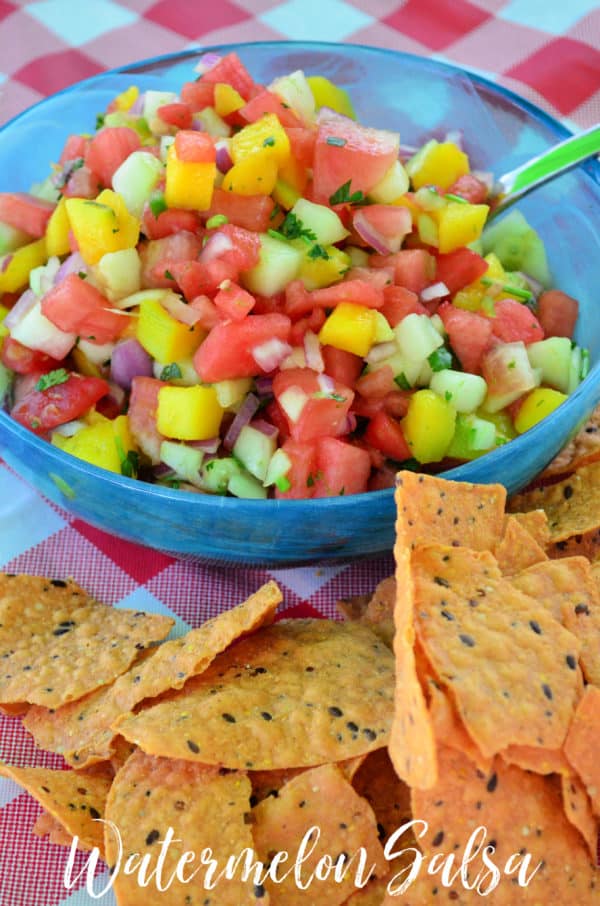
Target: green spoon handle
546, 166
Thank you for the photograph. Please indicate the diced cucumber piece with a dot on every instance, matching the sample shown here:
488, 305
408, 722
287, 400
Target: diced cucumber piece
437, 322
465, 391
155, 99
425, 375
429, 199
213, 123
406, 370
244, 485
279, 264
136, 178
358, 257
185, 461
165, 143
120, 273
278, 468
45, 190
230, 393
553, 358
254, 450
518, 247
324, 223
35, 331
297, 94
415, 163
574, 370
417, 337
217, 473
96, 353
384, 333
428, 230
11, 238
394, 184
473, 436
41, 278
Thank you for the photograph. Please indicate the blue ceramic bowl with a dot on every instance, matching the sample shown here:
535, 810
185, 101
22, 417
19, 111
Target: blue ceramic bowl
421, 98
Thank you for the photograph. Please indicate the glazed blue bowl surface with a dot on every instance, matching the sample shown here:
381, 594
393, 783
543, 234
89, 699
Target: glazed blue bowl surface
421, 99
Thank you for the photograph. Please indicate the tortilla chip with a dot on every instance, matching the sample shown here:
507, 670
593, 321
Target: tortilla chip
536, 523
429, 509
321, 798
375, 611
572, 505
81, 731
581, 745
521, 812
556, 583
353, 608
582, 450
388, 796
296, 694
510, 667
581, 616
57, 643
450, 730
204, 808
75, 799
578, 810
540, 761
517, 549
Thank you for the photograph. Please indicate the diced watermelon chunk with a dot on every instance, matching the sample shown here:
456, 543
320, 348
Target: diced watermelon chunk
324, 412
226, 353
158, 256
469, 334
268, 102
342, 468
414, 269
513, 321
457, 269
25, 212
143, 403
109, 148
400, 302
168, 222
252, 212
75, 306
198, 95
232, 71
301, 474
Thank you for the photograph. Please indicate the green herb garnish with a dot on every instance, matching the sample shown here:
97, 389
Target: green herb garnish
99, 121
82, 275
402, 381
170, 372
458, 198
269, 142
440, 358
344, 196
216, 221
336, 140
516, 291
293, 228
275, 234
283, 483
169, 275
317, 251
158, 205
52, 379
130, 461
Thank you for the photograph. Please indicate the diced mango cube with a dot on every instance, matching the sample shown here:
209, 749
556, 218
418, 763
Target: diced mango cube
105, 443
227, 99
317, 271
16, 266
429, 426
162, 336
350, 327
438, 164
189, 184
254, 175
327, 94
459, 224
57, 231
265, 136
188, 413
536, 406
102, 225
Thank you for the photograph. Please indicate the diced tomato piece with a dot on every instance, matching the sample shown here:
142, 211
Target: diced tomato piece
74, 147
109, 148
252, 212
75, 306
195, 147
385, 433
470, 188
208, 311
400, 302
513, 321
268, 102
376, 383
232, 71
25, 212
168, 222
42, 410
457, 269
301, 474
22, 360
363, 158
234, 302
342, 366
198, 94
342, 468
414, 269
469, 334
359, 292
324, 412
302, 144
178, 114
155, 254
557, 313
82, 183
227, 351
143, 403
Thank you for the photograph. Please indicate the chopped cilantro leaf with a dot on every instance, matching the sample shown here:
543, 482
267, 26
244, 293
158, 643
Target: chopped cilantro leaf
275, 234
174, 483
99, 121
169, 275
310, 481
402, 381
516, 291
158, 205
458, 198
275, 212
440, 358
317, 251
293, 228
344, 196
283, 483
336, 140
52, 379
82, 275
269, 142
170, 371
216, 221
130, 461
448, 396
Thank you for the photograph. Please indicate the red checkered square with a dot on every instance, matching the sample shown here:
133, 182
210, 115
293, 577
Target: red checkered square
194, 19
568, 85
139, 562
52, 72
437, 23
497, 45
6, 9
302, 611
23, 40
14, 98
116, 48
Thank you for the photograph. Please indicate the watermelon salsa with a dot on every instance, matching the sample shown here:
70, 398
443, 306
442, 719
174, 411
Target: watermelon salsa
242, 290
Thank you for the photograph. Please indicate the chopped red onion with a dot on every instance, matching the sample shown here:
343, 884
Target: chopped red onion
179, 310
24, 304
6, 259
129, 360
243, 418
350, 424
218, 243
312, 352
384, 245
207, 62
208, 446
224, 161
407, 151
116, 394
270, 355
326, 383
137, 108
265, 427
74, 264
380, 352
486, 177
60, 178
264, 385
197, 125
162, 470
435, 291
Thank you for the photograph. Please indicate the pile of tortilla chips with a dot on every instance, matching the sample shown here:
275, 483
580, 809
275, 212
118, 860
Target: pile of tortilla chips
440, 743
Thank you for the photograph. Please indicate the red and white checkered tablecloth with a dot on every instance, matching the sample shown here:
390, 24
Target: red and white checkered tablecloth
548, 51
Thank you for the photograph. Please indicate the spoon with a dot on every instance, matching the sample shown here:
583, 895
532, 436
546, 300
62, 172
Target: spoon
546, 166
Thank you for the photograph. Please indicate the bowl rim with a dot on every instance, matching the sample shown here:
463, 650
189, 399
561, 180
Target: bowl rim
264, 507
